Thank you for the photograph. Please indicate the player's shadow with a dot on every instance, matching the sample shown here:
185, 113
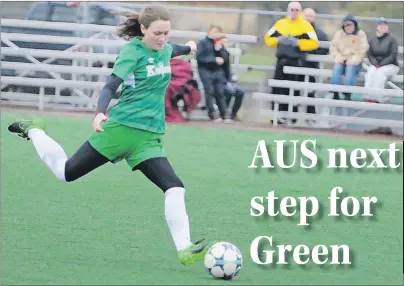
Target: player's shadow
350, 205
296, 217
343, 163
269, 255
288, 158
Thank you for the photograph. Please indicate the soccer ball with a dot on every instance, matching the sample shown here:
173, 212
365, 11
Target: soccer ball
223, 260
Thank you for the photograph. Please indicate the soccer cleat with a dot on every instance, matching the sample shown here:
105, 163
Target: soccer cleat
21, 127
195, 252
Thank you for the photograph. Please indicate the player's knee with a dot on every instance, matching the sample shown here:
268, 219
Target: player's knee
69, 177
173, 182
71, 173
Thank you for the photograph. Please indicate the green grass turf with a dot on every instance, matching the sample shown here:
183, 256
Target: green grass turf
108, 228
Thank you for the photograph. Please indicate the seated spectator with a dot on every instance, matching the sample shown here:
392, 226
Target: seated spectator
232, 90
209, 56
310, 16
382, 54
293, 37
348, 46
181, 87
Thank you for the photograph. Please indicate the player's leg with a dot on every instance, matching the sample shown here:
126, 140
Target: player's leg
148, 156
85, 160
82, 162
160, 172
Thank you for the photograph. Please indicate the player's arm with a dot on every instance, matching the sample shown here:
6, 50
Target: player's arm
271, 37
107, 93
125, 64
310, 42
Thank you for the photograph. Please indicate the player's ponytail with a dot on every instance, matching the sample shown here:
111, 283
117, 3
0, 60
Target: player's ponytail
132, 26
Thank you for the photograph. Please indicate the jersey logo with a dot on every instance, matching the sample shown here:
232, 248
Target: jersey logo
150, 60
160, 69
130, 81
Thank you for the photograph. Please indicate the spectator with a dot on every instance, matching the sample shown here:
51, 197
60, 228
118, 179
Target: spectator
183, 87
292, 36
348, 46
209, 56
310, 16
382, 54
231, 89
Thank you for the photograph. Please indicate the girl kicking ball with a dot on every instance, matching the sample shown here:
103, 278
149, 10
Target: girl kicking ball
135, 126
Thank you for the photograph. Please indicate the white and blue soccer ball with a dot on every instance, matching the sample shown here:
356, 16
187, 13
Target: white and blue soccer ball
223, 260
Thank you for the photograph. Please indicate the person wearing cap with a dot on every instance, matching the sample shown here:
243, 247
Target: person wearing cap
382, 54
348, 47
293, 37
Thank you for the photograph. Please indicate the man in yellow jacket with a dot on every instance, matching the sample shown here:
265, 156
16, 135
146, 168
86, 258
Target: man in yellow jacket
293, 37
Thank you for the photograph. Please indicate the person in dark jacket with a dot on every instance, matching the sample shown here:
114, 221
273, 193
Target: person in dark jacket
310, 16
209, 56
293, 37
382, 54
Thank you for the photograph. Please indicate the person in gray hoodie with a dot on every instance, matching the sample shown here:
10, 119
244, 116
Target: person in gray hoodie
382, 54
349, 47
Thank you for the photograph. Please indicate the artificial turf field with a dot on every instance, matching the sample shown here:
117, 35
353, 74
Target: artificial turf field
108, 228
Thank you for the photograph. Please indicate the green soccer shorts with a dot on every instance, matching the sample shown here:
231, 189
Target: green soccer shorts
119, 142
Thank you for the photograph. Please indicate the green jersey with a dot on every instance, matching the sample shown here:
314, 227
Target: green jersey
146, 74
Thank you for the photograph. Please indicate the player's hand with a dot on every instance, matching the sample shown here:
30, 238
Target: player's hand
219, 61
192, 45
99, 118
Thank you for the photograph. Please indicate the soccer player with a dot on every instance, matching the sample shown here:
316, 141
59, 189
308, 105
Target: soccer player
135, 126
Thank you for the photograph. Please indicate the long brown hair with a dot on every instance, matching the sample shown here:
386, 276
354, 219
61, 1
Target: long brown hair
131, 27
